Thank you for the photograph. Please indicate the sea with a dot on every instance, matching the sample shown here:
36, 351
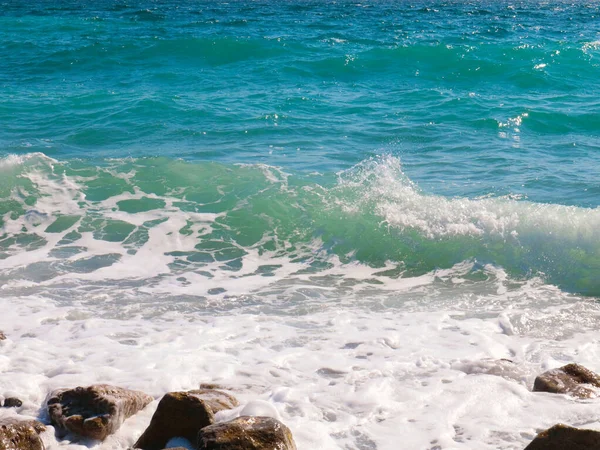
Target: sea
375, 220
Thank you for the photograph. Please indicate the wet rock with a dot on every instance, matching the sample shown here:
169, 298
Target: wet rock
183, 414
21, 435
498, 367
247, 433
12, 402
94, 411
563, 437
571, 379
2, 336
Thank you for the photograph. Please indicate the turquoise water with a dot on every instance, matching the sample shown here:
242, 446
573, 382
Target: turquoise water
405, 137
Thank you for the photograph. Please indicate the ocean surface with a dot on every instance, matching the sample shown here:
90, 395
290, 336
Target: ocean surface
354, 214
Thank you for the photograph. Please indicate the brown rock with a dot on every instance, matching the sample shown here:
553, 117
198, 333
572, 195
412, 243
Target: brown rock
563, 437
21, 435
12, 402
571, 379
94, 411
247, 433
2, 336
183, 414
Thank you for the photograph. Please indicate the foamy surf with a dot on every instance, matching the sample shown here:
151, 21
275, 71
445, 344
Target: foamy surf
357, 309
342, 376
210, 229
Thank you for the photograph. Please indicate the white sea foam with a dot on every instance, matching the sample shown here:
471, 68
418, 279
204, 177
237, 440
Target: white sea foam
435, 373
401, 205
593, 45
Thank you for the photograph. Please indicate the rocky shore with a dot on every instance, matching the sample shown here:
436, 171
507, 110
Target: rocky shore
95, 412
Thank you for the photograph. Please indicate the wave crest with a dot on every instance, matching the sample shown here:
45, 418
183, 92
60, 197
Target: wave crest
157, 217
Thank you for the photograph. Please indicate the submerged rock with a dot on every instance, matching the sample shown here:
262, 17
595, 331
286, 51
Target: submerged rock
563, 437
571, 379
183, 414
498, 367
12, 402
247, 433
21, 435
94, 411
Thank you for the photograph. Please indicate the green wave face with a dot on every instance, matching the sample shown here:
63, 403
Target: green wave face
142, 218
